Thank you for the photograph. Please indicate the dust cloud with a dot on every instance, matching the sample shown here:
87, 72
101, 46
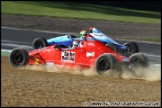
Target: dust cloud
152, 73
76, 70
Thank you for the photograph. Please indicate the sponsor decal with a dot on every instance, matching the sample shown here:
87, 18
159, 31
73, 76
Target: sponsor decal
97, 34
68, 56
91, 44
90, 54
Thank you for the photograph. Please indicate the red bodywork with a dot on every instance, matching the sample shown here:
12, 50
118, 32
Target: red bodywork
85, 55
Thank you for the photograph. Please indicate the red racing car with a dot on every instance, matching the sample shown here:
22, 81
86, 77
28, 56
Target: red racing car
85, 54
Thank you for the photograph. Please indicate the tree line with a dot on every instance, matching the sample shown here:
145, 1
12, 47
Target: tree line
150, 5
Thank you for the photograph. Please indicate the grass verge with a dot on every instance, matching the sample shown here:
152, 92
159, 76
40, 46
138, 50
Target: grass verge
78, 11
4, 53
153, 39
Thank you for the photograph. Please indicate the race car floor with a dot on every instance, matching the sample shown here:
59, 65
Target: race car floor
23, 87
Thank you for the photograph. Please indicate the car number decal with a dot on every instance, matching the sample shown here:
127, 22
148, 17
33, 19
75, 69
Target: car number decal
68, 56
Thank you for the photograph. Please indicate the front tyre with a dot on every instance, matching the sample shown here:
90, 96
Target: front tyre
105, 62
39, 43
19, 57
139, 60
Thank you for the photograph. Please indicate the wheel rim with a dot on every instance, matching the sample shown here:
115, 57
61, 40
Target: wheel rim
104, 65
17, 58
38, 45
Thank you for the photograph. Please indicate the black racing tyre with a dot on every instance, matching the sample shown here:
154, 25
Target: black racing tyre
39, 43
139, 60
19, 57
132, 47
105, 62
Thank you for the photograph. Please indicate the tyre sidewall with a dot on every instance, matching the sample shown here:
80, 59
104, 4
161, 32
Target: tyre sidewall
41, 40
24, 54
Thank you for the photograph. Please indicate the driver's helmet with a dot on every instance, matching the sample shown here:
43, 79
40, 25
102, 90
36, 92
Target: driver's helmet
75, 43
82, 33
91, 30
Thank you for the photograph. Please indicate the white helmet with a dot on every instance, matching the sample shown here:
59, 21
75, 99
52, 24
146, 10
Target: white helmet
75, 43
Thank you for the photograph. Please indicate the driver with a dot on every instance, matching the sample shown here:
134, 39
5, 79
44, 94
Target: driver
82, 34
81, 37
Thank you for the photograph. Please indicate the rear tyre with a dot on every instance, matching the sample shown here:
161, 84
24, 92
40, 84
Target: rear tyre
19, 57
132, 47
39, 43
105, 62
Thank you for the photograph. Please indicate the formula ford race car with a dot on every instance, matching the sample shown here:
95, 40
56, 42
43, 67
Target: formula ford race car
67, 41
90, 52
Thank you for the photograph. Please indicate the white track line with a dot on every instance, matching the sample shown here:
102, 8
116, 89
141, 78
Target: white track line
152, 55
41, 31
5, 50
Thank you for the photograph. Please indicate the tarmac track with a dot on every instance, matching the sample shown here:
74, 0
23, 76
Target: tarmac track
28, 87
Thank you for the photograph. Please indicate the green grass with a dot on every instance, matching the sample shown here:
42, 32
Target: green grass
153, 39
4, 53
78, 11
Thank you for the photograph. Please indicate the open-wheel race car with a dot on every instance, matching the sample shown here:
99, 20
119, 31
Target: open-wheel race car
87, 53
67, 40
